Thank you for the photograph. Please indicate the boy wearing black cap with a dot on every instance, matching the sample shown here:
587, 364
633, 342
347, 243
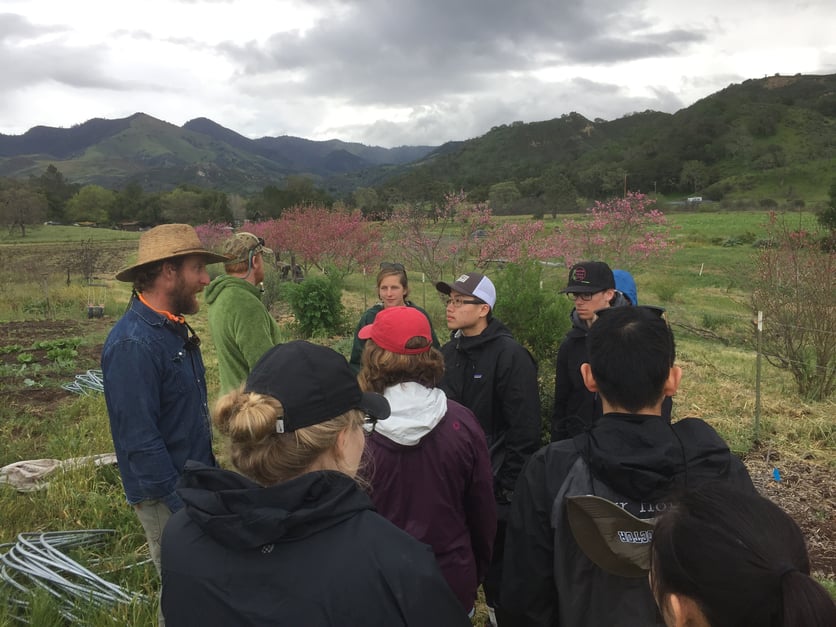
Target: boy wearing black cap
632, 457
489, 372
591, 287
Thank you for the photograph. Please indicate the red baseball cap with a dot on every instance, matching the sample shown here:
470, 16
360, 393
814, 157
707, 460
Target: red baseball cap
393, 327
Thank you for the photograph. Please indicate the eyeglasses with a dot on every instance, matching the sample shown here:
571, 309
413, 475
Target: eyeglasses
584, 296
386, 265
458, 302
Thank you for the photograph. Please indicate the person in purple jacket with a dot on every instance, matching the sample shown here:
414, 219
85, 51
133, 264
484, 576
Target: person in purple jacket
428, 466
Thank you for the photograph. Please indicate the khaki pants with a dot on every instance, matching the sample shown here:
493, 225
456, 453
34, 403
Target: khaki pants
153, 514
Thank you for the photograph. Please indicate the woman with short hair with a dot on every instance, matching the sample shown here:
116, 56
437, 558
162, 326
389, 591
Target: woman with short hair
293, 539
429, 469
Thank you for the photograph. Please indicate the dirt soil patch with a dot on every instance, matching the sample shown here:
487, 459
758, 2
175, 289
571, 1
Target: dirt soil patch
37, 383
807, 492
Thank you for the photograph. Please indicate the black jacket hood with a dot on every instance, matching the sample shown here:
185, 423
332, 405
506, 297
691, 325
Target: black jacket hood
580, 328
646, 456
238, 513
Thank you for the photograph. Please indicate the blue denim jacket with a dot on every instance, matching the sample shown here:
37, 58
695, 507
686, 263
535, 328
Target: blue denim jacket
155, 390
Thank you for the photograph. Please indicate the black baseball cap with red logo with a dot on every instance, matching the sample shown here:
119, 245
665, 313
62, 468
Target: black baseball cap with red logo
589, 277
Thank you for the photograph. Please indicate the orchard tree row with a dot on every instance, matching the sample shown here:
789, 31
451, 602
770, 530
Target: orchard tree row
449, 237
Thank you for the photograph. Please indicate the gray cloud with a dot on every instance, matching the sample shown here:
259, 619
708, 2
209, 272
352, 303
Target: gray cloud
466, 117
15, 28
381, 52
448, 70
27, 60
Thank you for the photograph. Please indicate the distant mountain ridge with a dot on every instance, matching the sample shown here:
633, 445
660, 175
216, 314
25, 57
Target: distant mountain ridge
770, 138
160, 155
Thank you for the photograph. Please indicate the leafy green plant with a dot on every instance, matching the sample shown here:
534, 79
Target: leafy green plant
25, 358
64, 357
538, 318
11, 348
317, 307
63, 342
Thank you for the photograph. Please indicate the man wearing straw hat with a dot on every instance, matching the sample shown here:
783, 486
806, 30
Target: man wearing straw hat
154, 378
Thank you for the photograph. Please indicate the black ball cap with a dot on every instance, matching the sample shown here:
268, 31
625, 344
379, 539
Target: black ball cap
313, 383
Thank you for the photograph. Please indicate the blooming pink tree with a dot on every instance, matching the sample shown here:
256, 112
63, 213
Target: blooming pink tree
213, 234
457, 236
626, 232
317, 236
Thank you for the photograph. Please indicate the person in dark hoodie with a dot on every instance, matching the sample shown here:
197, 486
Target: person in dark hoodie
430, 472
632, 457
293, 539
490, 373
591, 287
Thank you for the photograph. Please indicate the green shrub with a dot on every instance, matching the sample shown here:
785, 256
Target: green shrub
665, 289
317, 306
538, 318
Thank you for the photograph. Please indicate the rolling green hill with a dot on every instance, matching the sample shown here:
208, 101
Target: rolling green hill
159, 155
764, 138
772, 137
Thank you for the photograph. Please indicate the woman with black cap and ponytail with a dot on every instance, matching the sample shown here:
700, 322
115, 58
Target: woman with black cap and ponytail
722, 557
293, 539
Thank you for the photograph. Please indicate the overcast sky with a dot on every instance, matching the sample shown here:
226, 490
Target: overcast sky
390, 72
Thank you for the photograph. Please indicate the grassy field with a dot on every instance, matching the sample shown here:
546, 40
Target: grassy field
703, 287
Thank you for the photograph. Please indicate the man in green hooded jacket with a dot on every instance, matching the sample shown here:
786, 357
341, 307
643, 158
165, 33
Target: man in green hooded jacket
240, 324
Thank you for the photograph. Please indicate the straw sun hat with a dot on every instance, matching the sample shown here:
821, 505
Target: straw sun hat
166, 242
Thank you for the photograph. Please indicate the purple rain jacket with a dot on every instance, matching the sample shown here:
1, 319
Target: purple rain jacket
431, 476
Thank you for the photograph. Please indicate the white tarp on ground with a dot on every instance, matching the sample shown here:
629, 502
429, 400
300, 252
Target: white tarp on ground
28, 476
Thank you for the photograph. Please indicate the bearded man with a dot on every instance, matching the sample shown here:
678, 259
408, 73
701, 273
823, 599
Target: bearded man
154, 377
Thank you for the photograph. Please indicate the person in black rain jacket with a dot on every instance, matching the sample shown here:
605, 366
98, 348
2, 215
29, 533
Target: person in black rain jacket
295, 540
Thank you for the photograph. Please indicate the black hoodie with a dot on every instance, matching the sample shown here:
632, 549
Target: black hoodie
495, 377
310, 551
637, 461
576, 408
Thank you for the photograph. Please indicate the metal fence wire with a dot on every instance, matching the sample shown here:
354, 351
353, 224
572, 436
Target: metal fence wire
37, 561
85, 384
